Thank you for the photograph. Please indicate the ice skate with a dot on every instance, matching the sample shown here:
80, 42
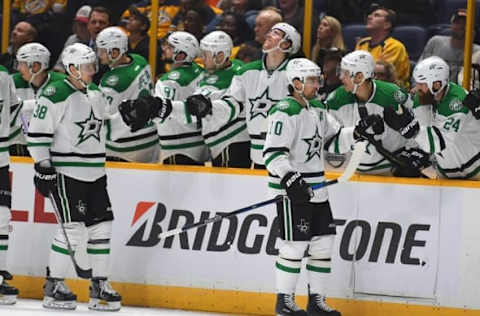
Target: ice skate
103, 297
57, 295
286, 306
8, 293
318, 307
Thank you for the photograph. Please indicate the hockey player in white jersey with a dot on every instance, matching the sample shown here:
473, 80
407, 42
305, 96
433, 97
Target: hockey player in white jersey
180, 143
298, 130
361, 96
447, 129
32, 77
8, 293
257, 86
66, 139
128, 78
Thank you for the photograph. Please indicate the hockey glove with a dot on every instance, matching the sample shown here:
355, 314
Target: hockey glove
472, 102
45, 178
199, 105
137, 113
403, 122
297, 189
415, 160
369, 127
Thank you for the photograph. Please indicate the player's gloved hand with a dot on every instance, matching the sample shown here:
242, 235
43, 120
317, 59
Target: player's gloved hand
297, 189
402, 121
137, 113
45, 178
198, 105
415, 160
369, 127
472, 102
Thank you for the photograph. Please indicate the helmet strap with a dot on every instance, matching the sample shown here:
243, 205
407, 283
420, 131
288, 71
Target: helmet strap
111, 60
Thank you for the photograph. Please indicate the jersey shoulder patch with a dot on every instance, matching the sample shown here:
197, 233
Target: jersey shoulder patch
452, 101
183, 75
288, 105
120, 78
57, 91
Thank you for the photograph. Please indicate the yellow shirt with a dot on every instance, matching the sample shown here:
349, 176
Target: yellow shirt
392, 51
166, 13
36, 6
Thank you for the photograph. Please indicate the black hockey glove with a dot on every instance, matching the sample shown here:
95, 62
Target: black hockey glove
199, 105
45, 179
415, 160
137, 113
369, 127
403, 122
297, 189
472, 102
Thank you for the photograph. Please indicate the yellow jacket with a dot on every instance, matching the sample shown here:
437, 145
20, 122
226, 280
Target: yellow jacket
392, 51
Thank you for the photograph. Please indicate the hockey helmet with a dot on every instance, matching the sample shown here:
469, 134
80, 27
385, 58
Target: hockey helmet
216, 42
183, 42
111, 38
34, 52
430, 70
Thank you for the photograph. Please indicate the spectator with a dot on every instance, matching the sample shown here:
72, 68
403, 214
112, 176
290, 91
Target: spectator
264, 21
196, 21
208, 12
385, 71
329, 35
99, 19
234, 25
293, 12
80, 33
22, 33
330, 63
475, 74
247, 9
383, 46
138, 40
450, 48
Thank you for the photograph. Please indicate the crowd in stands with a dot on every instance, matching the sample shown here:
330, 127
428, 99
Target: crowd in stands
396, 33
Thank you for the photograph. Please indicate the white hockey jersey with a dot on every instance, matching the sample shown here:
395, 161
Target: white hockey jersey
128, 82
176, 135
252, 93
27, 96
345, 107
450, 132
8, 101
68, 127
295, 142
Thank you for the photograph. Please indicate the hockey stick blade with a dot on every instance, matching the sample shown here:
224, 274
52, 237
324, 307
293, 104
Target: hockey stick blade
347, 174
82, 273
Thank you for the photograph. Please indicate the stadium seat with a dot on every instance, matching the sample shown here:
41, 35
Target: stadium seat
446, 8
413, 37
353, 32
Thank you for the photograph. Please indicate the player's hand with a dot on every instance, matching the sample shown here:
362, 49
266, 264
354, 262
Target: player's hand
45, 178
369, 127
199, 105
402, 121
472, 102
137, 113
297, 189
415, 159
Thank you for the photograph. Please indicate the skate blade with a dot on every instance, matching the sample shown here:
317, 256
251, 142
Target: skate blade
102, 305
8, 299
51, 303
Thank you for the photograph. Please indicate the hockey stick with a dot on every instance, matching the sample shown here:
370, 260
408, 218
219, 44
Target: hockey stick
346, 175
82, 273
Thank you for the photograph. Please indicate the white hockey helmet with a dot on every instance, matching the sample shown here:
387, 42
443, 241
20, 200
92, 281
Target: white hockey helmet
430, 70
111, 38
358, 61
291, 35
34, 52
216, 42
78, 54
301, 69
183, 42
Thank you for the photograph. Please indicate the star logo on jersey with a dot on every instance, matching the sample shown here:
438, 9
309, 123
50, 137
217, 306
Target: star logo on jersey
260, 105
314, 145
81, 207
304, 226
90, 127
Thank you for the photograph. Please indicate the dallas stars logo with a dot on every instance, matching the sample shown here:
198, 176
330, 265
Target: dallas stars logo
314, 145
304, 226
89, 128
261, 105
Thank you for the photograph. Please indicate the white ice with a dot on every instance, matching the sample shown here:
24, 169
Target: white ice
25, 307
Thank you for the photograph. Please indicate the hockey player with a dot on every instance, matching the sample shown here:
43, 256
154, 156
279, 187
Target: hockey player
128, 78
361, 96
256, 87
66, 139
448, 129
8, 293
298, 130
30, 80
180, 143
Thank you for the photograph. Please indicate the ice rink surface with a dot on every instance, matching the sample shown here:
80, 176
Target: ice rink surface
25, 307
